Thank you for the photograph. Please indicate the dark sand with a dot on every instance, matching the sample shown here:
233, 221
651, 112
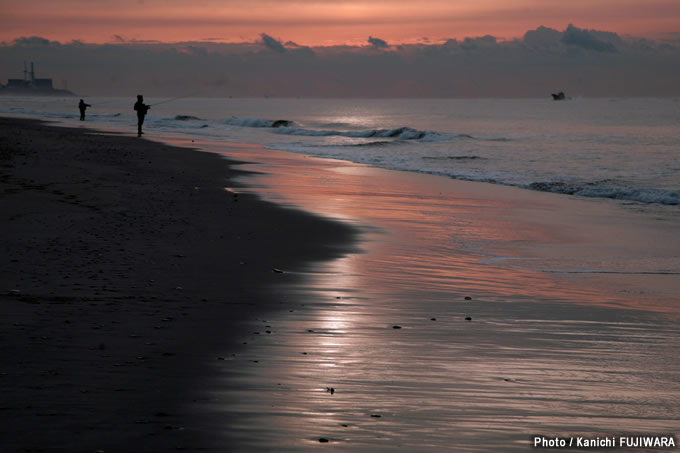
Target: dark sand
127, 271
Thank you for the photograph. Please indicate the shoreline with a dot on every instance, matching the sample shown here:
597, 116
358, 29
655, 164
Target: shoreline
128, 270
545, 350
430, 344
629, 253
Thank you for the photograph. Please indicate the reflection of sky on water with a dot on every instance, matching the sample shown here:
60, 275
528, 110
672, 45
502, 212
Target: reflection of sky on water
479, 386
540, 356
432, 237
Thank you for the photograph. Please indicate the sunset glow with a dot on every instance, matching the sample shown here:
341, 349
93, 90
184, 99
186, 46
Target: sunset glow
318, 23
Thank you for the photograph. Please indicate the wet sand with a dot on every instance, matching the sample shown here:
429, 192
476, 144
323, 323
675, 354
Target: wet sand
127, 271
572, 305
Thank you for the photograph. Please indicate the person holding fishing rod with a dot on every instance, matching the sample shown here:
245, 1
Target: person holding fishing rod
82, 106
141, 109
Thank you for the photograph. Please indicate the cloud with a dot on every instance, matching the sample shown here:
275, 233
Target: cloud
590, 39
33, 41
475, 43
272, 43
378, 43
543, 38
544, 61
195, 50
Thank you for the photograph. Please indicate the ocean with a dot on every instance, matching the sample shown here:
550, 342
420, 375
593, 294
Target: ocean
626, 149
474, 317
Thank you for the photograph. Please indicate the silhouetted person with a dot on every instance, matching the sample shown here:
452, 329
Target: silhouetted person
141, 109
83, 106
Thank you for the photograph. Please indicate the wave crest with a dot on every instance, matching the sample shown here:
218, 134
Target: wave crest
258, 122
186, 118
600, 190
287, 127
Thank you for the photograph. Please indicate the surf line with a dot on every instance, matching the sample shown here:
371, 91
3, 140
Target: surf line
612, 272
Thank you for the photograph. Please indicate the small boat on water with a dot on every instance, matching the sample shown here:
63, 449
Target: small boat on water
559, 96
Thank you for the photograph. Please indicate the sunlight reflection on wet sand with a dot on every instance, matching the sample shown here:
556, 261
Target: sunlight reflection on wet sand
386, 329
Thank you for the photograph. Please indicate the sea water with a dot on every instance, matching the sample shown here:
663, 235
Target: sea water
387, 329
621, 148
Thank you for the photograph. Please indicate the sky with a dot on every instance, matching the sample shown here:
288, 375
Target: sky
426, 48
325, 22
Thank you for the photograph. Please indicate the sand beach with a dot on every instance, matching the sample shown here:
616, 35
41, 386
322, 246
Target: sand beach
127, 268
161, 298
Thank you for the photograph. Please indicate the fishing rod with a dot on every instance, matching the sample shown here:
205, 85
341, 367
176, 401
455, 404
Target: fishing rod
177, 98
97, 104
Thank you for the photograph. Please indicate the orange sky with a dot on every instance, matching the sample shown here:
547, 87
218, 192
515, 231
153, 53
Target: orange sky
317, 22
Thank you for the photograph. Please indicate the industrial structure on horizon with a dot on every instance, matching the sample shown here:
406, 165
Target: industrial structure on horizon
32, 86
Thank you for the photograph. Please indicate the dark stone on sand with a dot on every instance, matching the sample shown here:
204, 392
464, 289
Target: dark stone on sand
433, 319
323, 440
376, 415
468, 298
396, 327
468, 318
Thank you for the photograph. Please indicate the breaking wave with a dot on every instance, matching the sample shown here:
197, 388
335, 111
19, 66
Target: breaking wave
186, 118
258, 122
482, 139
287, 127
453, 158
400, 133
603, 190
370, 144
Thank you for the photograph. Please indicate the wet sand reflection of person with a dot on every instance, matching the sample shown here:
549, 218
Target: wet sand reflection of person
82, 106
141, 109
